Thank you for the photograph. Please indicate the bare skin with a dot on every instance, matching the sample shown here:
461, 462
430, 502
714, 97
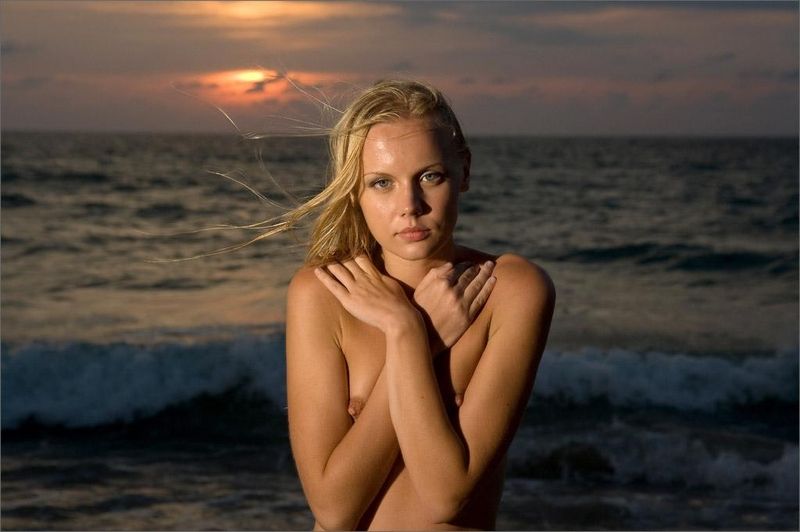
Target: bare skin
407, 380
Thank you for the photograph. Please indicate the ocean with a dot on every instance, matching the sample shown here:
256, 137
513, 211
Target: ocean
142, 394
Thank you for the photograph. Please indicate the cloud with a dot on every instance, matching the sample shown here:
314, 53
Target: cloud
716, 59
401, 66
780, 76
194, 85
10, 47
258, 86
694, 68
570, 52
245, 20
27, 82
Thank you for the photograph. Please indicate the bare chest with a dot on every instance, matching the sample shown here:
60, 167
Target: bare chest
365, 353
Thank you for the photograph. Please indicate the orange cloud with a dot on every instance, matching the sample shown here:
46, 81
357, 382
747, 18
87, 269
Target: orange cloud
244, 15
245, 87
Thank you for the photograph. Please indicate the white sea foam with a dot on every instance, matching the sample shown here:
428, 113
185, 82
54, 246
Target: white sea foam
627, 378
79, 384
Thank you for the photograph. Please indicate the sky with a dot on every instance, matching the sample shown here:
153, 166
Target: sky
509, 68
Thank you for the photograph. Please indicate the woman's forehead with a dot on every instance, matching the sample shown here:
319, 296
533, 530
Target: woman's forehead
410, 136
400, 129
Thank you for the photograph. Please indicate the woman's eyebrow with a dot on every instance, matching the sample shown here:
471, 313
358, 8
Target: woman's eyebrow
423, 169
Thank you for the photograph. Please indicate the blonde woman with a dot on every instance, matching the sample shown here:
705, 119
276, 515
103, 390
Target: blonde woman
410, 358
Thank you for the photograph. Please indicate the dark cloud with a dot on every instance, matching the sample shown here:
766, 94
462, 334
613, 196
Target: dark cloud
617, 100
536, 34
28, 83
668, 74
719, 58
665, 74
741, 5
782, 76
193, 85
789, 76
401, 66
9, 47
511, 21
258, 86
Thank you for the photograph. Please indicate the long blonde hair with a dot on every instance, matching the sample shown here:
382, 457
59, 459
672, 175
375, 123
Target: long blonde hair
340, 232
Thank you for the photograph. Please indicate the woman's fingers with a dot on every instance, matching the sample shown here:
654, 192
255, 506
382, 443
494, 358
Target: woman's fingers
466, 278
482, 297
343, 274
438, 273
478, 282
355, 269
457, 271
331, 283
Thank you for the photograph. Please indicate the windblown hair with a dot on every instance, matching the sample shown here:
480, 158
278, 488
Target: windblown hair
340, 232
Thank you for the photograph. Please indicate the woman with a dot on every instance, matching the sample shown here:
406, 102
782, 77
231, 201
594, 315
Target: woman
407, 371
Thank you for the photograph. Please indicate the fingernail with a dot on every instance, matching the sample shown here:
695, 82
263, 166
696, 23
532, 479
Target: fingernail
491, 279
488, 264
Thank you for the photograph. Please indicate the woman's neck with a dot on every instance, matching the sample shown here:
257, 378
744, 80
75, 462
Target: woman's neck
411, 272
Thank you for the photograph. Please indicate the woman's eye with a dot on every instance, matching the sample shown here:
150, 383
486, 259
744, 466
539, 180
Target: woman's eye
432, 177
380, 183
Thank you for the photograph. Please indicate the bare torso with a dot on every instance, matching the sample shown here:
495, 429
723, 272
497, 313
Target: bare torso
397, 505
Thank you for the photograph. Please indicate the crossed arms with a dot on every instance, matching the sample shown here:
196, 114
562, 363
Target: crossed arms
342, 464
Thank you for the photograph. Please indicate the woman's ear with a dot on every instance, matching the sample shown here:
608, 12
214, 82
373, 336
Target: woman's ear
466, 160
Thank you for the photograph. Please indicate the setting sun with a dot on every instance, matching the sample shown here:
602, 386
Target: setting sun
249, 76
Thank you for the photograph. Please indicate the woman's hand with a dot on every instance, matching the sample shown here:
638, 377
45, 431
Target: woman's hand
368, 295
450, 299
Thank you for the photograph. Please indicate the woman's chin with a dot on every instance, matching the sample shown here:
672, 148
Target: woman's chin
412, 251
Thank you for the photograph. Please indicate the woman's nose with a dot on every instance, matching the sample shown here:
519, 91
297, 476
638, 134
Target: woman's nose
412, 201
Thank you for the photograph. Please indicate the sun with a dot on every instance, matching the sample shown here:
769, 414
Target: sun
245, 87
248, 76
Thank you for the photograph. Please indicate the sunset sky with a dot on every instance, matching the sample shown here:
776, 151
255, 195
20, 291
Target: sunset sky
544, 68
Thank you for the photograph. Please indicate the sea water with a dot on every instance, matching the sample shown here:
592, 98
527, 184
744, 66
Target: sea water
140, 394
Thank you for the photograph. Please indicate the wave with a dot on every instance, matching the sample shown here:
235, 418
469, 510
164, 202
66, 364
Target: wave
690, 258
177, 283
624, 378
11, 199
166, 211
55, 247
83, 385
78, 384
626, 454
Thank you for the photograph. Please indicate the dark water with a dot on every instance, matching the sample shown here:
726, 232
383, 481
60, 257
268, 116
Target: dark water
667, 397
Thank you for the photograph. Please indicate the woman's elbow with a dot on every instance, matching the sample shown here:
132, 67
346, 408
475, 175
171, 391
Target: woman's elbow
334, 519
445, 508
334, 512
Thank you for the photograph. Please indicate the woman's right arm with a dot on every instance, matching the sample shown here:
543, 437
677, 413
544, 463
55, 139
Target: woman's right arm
342, 465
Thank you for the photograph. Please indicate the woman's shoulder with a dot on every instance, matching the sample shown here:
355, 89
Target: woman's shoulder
305, 289
519, 266
514, 272
518, 277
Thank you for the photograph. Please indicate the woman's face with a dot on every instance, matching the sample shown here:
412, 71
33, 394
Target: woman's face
412, 178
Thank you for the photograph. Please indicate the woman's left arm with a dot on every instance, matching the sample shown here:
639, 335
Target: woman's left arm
445, 462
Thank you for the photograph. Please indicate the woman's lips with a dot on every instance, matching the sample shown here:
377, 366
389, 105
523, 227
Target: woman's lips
414, 234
